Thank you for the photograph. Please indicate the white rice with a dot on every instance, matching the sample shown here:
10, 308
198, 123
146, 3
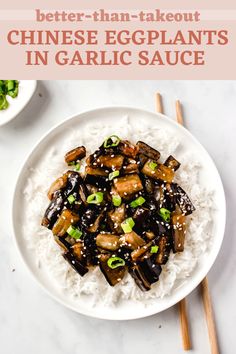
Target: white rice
48, 254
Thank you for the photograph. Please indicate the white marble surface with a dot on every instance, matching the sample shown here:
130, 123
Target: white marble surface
30, 321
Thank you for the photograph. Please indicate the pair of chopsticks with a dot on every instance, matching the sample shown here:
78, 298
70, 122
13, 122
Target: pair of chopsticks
206, 299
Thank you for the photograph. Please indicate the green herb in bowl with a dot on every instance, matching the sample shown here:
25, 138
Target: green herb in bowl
8, 88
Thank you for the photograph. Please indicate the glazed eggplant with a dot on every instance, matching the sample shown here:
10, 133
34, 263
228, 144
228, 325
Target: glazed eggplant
126, 148
58, 184
113, 162
108, 242
158, 171
183, 200
124, 213
75, 263
89, 217
164, 248
95, 180
141, 218
96, 171
128, 185
148, 151
179, 231
64, 221
172, 163
145, 273
113, 276
131, 240
53, 211
94, 227
74, 155
115, 218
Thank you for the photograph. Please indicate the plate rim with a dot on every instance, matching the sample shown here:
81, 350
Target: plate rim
151, 311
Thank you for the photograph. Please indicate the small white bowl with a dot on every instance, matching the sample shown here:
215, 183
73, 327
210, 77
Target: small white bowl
16, 105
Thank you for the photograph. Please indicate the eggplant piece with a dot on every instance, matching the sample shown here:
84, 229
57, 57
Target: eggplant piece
75, 263
130, 168
62, 224
139, 278
158, 226
141, 218
148, 151
160, 172
108, 242
167, 197
72, 185
163, 250
96, 171
58, 184
182, 199
149, 185
115, 217
89, 216
98, 181
131, 241
97, 222
145, 273
113, 162
128, 185
179, 225
142, 159
83, 192
91, 158
90, 249
113, 276
126, 148
141, 252
78, 250
172, 163
150, 270
75, 154
62, 242
53, 210
150, 235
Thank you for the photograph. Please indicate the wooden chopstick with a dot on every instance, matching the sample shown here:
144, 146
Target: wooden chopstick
204, 284
206, 298
159, 104
182, 304
179, 114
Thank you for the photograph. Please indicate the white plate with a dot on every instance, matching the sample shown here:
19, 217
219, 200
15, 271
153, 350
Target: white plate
128, 309
16, 105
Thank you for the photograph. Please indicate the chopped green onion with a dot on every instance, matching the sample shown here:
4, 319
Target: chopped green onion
137, 202
154, 249
95, 198
127, 225
111, 141
112, 175
77, 167
10, 85
10, 88
115, 262
3, 102
71, 199
165, 214
72, 163
152, 165
74, 232
116, 200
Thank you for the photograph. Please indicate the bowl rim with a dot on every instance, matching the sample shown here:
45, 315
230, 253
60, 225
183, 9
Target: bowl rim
10, 118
